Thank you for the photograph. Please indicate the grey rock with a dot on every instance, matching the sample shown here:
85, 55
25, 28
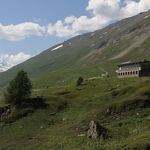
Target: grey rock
8, 112
94, 131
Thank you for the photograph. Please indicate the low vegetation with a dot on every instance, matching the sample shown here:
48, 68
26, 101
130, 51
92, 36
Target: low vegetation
61, 117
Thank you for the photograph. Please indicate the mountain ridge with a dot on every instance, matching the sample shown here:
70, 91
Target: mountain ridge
4, 65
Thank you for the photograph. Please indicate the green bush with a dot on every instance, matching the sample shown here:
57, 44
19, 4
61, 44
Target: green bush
79, 81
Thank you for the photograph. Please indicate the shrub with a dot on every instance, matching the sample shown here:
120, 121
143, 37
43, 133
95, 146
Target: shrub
79, 81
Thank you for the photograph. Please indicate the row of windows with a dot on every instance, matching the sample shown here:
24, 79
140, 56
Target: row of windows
127, 73
128, 66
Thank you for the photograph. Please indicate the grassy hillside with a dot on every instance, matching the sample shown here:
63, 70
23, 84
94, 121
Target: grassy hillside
124, 112
124, 40
61, 118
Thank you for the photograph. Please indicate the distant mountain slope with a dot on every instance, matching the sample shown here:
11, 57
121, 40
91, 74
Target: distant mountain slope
125, 40
4, 65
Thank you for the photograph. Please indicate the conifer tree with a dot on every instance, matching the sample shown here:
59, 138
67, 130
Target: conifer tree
19, 89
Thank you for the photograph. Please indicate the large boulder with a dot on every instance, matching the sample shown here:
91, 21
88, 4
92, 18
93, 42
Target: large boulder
96, 130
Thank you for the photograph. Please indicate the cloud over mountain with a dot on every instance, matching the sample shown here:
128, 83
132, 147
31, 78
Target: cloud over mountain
102, 13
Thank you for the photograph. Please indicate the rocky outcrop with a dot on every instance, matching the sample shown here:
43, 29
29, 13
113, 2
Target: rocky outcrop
6, 114
95, 130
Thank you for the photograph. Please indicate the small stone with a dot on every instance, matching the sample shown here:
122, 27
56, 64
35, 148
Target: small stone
64, 119
81, 135
134, 139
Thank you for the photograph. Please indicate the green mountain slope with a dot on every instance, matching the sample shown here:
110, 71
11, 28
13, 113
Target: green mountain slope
125, 40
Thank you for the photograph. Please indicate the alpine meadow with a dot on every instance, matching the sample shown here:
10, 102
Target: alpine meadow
69, 96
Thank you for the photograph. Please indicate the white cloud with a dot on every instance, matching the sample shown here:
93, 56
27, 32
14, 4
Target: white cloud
3, 56
60, 30
20, 31
6, 56
103, 11
19, 58
36, 20
133, 8
70, 19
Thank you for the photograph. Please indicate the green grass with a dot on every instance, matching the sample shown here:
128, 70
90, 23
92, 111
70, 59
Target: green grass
124, 111
122, 106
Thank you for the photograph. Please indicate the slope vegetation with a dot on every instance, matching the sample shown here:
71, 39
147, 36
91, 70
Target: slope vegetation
63, 123
125, 40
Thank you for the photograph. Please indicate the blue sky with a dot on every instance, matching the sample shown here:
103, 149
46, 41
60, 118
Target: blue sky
28, 27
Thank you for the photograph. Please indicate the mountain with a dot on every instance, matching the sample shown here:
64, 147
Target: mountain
123, 41
4, 65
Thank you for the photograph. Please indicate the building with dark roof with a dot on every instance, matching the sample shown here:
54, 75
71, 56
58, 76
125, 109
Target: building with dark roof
135, 69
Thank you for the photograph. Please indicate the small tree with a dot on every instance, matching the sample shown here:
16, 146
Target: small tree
19, 89
79, 81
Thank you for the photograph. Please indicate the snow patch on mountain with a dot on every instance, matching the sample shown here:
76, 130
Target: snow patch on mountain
57, 47
4, 65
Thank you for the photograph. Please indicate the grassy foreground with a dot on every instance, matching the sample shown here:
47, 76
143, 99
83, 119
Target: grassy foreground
122, 106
